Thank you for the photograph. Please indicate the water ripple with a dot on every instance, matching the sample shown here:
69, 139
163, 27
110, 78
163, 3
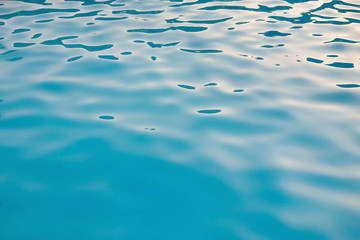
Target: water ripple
25, 13
86, 14
161, 30
59, 41
201, 51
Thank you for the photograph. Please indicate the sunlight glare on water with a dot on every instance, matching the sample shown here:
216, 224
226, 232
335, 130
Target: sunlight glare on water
171, 119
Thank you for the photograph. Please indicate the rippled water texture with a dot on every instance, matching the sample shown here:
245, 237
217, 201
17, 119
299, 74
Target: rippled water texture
194, 119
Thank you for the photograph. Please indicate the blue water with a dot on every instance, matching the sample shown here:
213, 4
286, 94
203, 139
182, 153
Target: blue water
194, 119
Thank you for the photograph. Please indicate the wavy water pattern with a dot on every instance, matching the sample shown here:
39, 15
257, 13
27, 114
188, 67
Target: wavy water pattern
174, 119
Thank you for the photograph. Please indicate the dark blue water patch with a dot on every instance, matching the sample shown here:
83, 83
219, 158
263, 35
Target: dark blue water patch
210, 84
321, 16
348, 10
126, 53
350, 85
150, 129
106, 117
174, 20
333, 22
139, 41
304, 18
153, 58
161, 30
340, 65
353, 20
160, 45
240, 23
314, 60
44, 21
298, 1
267, 46
89, 23
332, 55
190, 3
341, 40
238, 90
317, 35
40, 2
186, 86
22, 45
332, 5
275, 34
2, 46
259, 58
37, 35
214, 21
15, 59
2, 23
108, 57
72, 59
110, 18
8, 52
95, 2
86, 14
21, 30
261, 8
209, 111
230, 28
24, 13
59, 41
201, 50
136, 12
296, 27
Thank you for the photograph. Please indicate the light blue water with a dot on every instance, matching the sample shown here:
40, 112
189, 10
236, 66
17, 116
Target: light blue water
194, 119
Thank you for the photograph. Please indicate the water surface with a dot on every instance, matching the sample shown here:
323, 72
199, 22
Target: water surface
196, 119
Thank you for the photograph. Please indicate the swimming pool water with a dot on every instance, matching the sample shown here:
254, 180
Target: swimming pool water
193, 119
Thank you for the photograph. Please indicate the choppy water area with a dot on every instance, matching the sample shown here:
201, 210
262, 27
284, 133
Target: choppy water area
196, 119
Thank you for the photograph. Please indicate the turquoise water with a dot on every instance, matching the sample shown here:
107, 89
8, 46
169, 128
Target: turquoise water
194, 119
